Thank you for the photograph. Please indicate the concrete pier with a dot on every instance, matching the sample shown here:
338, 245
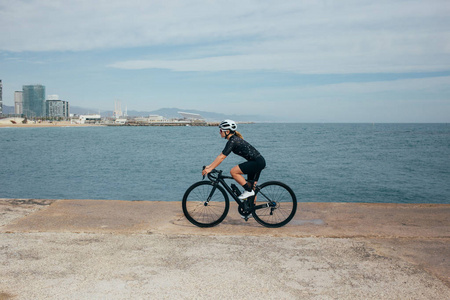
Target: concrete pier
92, 249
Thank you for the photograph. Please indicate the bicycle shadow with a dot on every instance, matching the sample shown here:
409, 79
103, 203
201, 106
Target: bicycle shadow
234, 224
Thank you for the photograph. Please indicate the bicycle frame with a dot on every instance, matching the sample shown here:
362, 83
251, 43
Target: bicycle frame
220, 179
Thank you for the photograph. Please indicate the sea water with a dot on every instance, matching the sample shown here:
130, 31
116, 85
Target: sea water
384, 163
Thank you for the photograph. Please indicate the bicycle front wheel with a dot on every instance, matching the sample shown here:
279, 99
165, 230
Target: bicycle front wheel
203, 212
276, 204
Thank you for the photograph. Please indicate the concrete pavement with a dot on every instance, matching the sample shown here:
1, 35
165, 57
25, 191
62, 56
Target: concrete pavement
65, 249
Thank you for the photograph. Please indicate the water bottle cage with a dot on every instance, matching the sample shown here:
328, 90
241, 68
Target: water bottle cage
236, 191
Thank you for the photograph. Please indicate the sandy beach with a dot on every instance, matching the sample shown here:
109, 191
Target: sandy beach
98, 249
6, 123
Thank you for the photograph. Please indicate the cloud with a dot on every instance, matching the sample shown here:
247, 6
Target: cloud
410, 86
319, 63
86, 25
289, 36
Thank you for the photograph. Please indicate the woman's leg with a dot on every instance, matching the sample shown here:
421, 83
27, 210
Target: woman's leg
237, 173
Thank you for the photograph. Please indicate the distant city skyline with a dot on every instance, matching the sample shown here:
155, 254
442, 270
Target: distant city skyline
332, 61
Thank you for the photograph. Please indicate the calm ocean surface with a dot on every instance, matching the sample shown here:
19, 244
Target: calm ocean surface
384, 163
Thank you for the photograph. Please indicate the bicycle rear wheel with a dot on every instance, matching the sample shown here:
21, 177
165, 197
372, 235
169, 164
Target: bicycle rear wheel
201, 212
278, 203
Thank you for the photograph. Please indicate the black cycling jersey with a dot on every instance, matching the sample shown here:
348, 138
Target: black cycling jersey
240, 147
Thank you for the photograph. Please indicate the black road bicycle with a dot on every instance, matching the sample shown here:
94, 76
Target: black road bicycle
206, 203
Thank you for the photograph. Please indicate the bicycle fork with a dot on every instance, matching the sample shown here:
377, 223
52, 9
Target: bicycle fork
210, 195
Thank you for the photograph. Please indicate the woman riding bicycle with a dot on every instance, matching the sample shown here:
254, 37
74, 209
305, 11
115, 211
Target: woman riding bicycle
252, 167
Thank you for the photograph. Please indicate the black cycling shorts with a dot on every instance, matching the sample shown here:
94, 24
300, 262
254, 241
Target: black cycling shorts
253, 168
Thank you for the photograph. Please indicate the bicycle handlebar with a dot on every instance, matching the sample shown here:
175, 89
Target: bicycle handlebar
210, 174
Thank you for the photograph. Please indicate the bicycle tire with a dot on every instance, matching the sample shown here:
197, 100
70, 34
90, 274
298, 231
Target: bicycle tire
283, 207
203, 214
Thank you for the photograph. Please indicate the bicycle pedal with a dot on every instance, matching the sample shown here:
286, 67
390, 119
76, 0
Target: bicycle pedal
246, 217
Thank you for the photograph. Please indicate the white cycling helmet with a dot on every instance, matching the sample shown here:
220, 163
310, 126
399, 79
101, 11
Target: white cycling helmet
228, 125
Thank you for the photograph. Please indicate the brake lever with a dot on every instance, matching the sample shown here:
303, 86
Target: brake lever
204, 167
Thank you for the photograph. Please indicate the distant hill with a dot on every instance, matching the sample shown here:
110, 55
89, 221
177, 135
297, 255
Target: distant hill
8, 110
209, 116
77, 110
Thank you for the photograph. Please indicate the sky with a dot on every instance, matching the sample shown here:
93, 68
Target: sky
295, 61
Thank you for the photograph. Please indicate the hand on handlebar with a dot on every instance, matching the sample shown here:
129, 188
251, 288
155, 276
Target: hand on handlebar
206, 170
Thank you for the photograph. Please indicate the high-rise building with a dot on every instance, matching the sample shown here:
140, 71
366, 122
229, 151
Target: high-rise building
18, 103
117, 109
33, 100
1, 97
56, 108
